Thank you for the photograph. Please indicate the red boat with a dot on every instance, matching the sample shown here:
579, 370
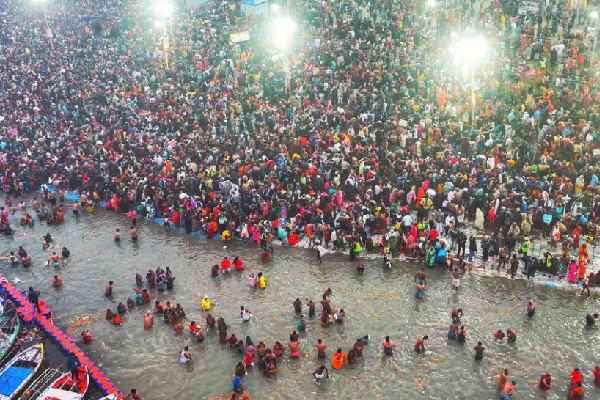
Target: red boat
67, 388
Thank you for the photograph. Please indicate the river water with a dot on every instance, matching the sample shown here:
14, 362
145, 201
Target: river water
377, 303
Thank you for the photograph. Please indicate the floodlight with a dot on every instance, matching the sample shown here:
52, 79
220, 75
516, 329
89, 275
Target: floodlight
282, 29
163, 8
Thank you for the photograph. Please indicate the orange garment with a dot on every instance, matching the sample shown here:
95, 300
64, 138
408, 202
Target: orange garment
338, 360
581, 271
508, 389
245, 396
148, 321
309, 230
212, 228
502, 380
168, 167
583, 251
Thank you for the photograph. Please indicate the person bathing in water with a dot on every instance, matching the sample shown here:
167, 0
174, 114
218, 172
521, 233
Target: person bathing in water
133, 233
420, 344
321, 374
245, 314
530, 309
388, 346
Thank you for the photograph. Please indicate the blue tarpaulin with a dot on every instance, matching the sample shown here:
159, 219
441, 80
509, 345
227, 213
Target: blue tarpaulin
72, 196
11, 379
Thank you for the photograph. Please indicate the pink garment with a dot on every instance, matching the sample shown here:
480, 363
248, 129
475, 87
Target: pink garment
339, 199
410, 197
572, 275
255, 234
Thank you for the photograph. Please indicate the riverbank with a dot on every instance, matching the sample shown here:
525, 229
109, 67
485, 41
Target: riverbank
539, 246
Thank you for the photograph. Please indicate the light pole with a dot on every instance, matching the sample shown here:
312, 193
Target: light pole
282, 30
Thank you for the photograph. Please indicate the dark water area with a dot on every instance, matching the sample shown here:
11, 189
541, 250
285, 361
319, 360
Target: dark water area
378, 303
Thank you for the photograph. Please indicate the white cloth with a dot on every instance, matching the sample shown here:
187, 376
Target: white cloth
183, 357
245, 315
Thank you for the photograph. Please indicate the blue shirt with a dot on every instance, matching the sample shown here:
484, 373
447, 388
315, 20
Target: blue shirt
237, 383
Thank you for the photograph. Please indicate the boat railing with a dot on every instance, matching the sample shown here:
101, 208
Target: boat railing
41, 383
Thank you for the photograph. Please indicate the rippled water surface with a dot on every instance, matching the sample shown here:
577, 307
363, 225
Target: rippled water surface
378, 303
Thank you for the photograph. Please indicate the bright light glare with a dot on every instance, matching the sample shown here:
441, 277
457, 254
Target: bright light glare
163, 8
594, 15
159, 23
275, 7
282, 30
431, 3
470, 51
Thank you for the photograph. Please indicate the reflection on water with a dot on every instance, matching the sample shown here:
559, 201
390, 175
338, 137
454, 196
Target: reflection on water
377, 304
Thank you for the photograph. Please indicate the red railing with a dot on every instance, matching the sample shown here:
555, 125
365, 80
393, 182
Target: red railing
28, 315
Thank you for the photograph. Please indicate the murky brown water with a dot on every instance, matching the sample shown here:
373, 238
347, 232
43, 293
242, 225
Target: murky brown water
378, 304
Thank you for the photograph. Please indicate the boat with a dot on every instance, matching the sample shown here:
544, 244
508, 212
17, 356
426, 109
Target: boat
19, 371
111, 396
65, 388
10, 326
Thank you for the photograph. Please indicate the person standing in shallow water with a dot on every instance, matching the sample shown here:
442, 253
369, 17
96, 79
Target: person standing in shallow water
108, 291
311, 309
321, 348
133, 233
388, 346
530, 309
297, 306
479, 349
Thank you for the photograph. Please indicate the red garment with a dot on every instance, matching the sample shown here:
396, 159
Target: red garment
239, 264
597, 376
175, 218
545, 382
248, 359
117, 320
293, 239
433, 235
491, 215
576, 377
212, 228
225, 264
87, 338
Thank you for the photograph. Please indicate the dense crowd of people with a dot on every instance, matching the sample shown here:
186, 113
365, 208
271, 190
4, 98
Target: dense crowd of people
362, 136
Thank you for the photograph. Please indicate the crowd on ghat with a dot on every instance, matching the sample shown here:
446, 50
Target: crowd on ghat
358, 135
362, 137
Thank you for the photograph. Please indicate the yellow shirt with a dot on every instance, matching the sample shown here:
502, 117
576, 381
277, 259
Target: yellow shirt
262, 282
206, 304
